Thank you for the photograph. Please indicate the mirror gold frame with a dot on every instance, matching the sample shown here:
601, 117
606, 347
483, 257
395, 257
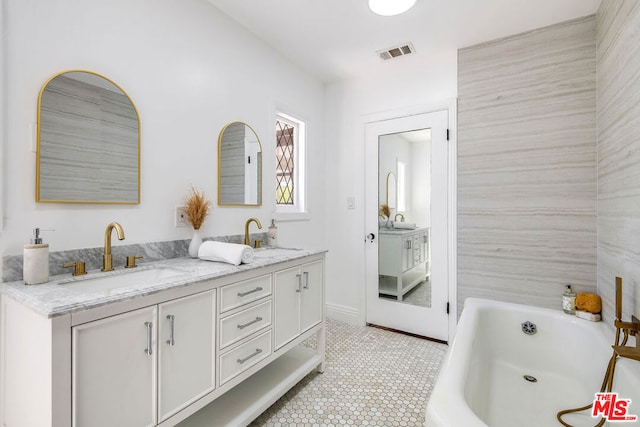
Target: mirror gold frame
67, 166
229, 192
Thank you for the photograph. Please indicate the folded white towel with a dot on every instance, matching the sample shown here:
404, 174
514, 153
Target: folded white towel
231, 253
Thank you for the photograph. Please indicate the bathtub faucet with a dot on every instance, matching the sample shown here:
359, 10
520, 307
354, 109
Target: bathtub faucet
629, 328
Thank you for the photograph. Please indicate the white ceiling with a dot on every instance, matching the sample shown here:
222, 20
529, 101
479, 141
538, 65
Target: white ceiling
338, 39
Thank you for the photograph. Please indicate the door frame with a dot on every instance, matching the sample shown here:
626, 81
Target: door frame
452, 208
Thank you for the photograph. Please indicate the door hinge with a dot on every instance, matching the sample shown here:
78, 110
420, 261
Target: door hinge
447, 134
249, 159
447, 307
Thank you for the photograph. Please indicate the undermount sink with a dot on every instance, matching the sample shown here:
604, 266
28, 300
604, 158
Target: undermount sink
273, 252
123, 279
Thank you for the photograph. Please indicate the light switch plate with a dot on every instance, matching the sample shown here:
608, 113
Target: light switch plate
181, 217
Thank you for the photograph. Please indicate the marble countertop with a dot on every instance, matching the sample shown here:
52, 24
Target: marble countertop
401, 231
65, 294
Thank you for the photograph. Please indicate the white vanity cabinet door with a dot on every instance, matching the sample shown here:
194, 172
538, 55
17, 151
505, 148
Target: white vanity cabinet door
186, 341
311, 298
288, 286
298, 300
114, 371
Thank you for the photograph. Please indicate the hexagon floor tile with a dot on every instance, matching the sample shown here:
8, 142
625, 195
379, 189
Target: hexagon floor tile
372, 377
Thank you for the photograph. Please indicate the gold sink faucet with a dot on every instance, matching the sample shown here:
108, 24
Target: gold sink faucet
395, 218
247, 241
107, 260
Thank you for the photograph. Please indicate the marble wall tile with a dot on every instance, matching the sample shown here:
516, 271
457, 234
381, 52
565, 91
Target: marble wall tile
618, 82
527, 165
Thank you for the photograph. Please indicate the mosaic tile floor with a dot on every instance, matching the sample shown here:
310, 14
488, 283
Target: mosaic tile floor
372, 377
420, 295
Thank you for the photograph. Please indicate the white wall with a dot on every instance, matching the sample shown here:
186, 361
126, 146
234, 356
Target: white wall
189, 70
405, 86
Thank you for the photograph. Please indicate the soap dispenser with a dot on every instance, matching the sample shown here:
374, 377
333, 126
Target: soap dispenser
272, 234
569, 301
35, 261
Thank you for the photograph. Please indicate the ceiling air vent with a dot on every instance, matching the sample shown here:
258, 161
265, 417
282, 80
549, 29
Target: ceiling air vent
397, 51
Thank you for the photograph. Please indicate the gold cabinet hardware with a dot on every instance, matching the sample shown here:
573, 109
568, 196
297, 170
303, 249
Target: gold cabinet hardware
131, 261
78, 268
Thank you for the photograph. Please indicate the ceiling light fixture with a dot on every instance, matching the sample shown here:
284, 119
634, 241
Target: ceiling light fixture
390, 7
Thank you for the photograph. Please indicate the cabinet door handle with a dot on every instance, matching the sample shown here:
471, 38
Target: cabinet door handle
299, 276
255, 353
306, 279
149, 349
243, 294
172, 320
257, 319
408, 244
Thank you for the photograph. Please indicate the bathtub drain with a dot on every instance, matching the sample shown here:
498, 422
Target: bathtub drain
530, 378
529, 328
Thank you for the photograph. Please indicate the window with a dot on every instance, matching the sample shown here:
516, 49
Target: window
402, 186
290, 139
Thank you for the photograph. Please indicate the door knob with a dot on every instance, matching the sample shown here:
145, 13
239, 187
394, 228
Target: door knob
371, 237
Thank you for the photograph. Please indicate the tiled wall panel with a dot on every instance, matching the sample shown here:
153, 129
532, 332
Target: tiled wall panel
527, 165
618, 69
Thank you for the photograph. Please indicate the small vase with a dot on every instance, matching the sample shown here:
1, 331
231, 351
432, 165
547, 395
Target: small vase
196, 241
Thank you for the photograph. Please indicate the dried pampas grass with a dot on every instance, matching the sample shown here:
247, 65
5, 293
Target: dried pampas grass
385, 212
196, 208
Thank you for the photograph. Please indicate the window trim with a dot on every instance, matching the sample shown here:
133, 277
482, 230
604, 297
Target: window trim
298, 210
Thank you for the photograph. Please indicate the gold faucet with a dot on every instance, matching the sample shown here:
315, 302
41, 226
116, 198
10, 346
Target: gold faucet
247, 241
395, 218
107, 260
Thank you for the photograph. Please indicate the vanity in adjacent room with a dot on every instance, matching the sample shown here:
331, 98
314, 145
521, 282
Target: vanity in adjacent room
179, 342
403, 260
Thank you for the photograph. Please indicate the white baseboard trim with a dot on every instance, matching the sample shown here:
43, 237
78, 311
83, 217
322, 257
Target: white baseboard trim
342, 313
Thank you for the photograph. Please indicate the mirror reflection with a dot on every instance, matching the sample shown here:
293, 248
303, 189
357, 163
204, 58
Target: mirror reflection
239, 166
404, 218
88, 141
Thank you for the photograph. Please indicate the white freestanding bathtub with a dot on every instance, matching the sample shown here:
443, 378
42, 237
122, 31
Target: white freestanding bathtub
487, 376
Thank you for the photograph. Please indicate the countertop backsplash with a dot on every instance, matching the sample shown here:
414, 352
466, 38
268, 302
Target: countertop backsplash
153, 251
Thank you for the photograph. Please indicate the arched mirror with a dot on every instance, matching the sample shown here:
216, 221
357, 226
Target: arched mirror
88, 141
239, 166
391, 190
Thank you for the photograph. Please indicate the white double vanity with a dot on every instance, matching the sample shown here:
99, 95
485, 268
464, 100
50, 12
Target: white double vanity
182, 342
403, 260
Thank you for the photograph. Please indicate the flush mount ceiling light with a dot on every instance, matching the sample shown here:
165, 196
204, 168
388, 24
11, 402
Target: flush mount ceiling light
390, 7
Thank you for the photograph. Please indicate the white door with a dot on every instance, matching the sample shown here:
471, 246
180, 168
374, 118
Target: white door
114, 371
186, 351
406, 224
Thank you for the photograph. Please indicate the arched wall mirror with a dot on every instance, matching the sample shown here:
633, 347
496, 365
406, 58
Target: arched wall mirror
88, 141
390, 194
239, 166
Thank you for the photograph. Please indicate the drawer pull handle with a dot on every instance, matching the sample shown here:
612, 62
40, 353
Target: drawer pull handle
257, 319
306, 279
255, 353
172, 319
299, 276
243, 294
149, 349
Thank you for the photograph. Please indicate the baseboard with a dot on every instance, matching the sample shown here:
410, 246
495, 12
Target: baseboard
342, 313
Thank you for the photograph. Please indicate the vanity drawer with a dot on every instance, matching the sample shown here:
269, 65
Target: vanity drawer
245, 356
237, 294
244, 323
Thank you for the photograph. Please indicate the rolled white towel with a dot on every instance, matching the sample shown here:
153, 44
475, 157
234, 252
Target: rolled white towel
231, 253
